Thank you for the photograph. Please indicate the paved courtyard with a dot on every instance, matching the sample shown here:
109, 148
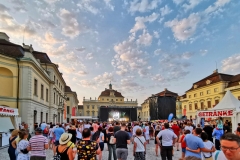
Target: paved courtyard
149, 156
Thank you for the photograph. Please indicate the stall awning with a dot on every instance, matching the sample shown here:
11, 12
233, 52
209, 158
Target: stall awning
7, 111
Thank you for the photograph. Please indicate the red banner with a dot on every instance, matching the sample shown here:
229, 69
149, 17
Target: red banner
220, 113
8, 111
73, 111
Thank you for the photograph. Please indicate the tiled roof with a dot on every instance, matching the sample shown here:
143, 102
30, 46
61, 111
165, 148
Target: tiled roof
10, 49
167, 93
214, 78
234, 81
107, 93
68, 89
43, 57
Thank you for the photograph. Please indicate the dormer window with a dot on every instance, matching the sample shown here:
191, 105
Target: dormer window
208, 81
195, 86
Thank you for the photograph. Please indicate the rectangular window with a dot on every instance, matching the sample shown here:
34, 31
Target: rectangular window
195, 95
46, 117
54, 78
92, 106
196, 107
208, 92
67, 98
202, 105
215, 90
41, 118
35, 86
68, 109
54, 99
92, 113
88, 113
189, 96
190, 107
57, 100
201, 93
102, 99
41, 91
116, 99
216, 102
87, 106
47, 95
57, 82
209, 104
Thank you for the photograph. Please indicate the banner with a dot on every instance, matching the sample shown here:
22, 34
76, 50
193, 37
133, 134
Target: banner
219, 113
170, 117
7, 111
73, 111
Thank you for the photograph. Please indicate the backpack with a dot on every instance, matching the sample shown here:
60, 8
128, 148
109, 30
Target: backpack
45, 131
111, 140
95, 136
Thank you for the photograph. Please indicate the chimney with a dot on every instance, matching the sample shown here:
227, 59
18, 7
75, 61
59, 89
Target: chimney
4, 36
165, 89
215, 71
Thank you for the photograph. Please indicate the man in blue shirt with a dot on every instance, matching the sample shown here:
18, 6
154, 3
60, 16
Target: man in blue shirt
194, 143
217, 133
57, 132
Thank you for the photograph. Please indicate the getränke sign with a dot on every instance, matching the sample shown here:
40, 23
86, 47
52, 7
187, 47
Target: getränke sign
7, 111
220, 113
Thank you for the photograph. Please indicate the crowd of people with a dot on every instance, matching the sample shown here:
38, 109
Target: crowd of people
86, 140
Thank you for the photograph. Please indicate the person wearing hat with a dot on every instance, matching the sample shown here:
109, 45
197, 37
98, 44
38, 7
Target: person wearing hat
65, 151
38, 145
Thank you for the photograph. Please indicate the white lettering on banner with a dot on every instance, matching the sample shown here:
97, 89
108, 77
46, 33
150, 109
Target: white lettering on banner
221, 113
8, 111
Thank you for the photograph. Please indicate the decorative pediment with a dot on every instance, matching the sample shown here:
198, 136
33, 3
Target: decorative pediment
216, 98
208, 81
195, 86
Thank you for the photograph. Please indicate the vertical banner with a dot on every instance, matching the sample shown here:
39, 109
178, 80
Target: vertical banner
73, 111
65, 112
184, 112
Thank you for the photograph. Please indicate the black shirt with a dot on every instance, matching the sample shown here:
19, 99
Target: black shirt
121, 139
226, 128
116, 128
208, 130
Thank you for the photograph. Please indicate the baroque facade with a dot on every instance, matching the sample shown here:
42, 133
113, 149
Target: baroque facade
31, 83
208, 92
109, 98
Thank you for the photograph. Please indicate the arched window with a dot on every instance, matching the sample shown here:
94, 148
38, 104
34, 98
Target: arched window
6, 81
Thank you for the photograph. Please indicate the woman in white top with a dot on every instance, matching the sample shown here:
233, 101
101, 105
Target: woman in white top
22, 146
50, 137
147, 133
139, 147
188, 127
79, 132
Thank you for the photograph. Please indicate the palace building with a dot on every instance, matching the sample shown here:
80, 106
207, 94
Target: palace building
208, 92
110, 105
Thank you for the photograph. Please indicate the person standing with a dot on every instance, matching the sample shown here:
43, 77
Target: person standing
208, 129
176, 129
122, 139
116, 127
22, 146
226, 128
146, 133
139, 147
57, 133
73, 132
38, 145
11, 149
230, 148
65, 151
217, 133
111, 144
208, 145
156, 131
189, 127
168, 141
135, 128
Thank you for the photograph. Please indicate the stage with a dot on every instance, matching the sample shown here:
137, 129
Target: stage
118, 114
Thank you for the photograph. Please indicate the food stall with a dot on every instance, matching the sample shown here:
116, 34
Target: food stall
9, 121
228, 108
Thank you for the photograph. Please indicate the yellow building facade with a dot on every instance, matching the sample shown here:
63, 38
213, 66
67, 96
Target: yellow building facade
208, 92
30, 82
108, 97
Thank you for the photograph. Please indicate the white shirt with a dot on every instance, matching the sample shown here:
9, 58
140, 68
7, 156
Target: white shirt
147, 130
190, 128
220, 156
140, 145
79, 134
87, 126
135, 128
167, 137
208, 145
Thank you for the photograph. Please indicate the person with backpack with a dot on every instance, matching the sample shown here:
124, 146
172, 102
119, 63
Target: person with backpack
111, 144
64, 152
46, 131
139, 147
86, 148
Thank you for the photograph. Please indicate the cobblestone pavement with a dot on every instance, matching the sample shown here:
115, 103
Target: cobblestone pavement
149, 156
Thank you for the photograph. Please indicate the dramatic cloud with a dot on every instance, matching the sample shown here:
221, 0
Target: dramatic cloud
70, 26
144, 39
165, 10
185, 28
190, 4
143, 5
140, 22
231, 65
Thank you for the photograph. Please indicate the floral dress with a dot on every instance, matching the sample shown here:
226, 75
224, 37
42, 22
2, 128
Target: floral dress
23, 144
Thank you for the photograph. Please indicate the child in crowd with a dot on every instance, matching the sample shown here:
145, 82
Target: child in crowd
219, 123
208, 145
183, 143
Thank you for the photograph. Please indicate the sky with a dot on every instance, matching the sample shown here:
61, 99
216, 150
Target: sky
140, 46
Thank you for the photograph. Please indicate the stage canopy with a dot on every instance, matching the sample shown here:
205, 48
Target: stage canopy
228, 102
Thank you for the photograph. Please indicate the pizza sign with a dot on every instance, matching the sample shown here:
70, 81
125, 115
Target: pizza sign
221, 113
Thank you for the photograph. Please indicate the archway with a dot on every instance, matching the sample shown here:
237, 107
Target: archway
6, 81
